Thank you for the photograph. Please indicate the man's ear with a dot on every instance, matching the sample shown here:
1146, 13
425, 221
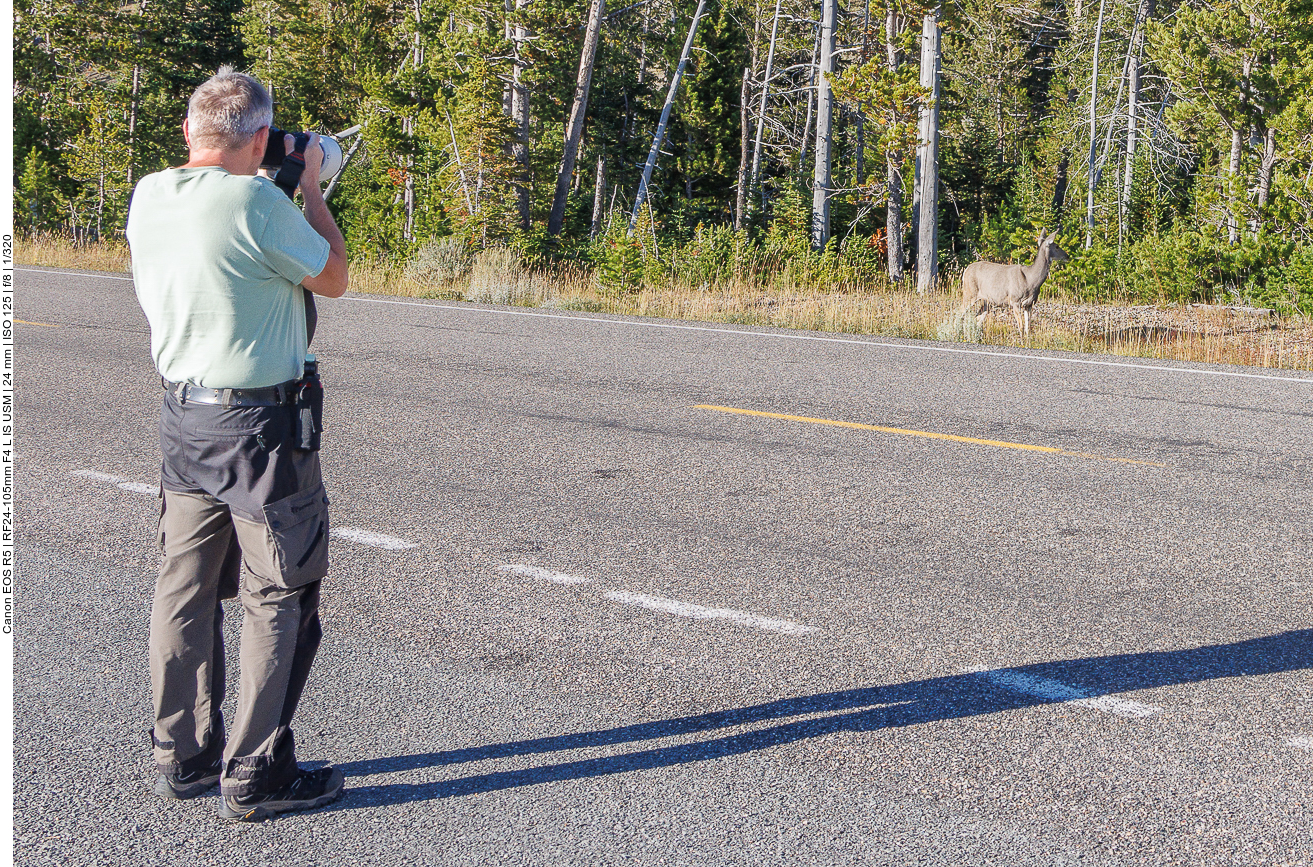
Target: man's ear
186, 132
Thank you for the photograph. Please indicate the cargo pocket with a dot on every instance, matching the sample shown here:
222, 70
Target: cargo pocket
298, 535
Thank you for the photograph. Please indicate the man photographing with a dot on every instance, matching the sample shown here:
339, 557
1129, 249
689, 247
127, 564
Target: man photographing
219, 259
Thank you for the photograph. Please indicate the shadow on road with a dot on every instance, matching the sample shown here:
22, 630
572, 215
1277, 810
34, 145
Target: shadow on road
865, 709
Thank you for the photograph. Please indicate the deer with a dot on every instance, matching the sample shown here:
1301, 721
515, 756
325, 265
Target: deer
987, 284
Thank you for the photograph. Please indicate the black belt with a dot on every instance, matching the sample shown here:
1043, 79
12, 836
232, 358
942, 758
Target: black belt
282, 394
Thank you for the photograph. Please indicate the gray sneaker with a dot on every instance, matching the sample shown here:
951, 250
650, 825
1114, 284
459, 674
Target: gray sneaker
191, 784
311, 789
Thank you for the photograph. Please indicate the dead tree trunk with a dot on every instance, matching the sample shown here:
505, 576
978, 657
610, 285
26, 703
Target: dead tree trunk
755, 179
1094, 132
894, 164
460, 168
1265, 167
575, 126
660, 135
520, 117
132, 119
927, 160
741, 199
346, 161
1134, 87
408, 128
134, 106
1232, 219
821, 180
599, 195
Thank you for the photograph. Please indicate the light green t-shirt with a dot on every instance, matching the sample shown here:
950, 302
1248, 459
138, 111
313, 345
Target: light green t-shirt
218, 260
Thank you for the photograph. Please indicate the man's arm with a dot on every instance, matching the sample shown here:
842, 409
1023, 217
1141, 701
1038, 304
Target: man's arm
332, 281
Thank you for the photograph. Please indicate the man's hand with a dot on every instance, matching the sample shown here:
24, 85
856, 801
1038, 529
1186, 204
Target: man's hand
314, 159
332, 281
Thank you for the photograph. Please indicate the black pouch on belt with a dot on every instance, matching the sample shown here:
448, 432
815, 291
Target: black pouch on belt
309, 411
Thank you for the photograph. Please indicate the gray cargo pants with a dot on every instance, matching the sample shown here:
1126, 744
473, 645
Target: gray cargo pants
234, 489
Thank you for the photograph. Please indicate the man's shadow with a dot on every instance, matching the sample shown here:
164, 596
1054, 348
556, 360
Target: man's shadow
866, 709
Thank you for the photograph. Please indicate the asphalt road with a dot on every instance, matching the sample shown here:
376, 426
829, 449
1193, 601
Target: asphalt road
582, 613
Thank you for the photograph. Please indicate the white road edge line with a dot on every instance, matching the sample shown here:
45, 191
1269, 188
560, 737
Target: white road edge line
700, 612
525, 571
79, 273
125, 484
910, 347
1058, 692
1301, 743
370, 538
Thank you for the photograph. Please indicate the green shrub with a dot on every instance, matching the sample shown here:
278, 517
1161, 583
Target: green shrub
38, 204
1290, 288
714, 256
619, 260
1176, 267
1184, 266
865, 258
1090, 275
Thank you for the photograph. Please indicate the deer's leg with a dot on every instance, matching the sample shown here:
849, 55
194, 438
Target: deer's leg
1027, 313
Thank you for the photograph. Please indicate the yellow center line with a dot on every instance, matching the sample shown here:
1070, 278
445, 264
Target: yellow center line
42, 324
925, 434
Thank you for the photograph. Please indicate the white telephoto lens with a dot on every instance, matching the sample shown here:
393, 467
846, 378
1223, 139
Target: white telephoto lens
332, 163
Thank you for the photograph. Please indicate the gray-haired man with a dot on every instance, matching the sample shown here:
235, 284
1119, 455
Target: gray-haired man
219, 257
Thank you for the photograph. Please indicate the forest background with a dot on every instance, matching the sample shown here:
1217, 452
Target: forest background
1170, 143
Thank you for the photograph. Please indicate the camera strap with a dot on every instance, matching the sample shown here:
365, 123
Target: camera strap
289, 173
287, 180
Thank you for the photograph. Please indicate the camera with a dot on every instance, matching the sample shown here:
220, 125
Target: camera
273, 153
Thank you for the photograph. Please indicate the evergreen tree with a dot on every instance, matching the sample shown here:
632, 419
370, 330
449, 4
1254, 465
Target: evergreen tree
705, 128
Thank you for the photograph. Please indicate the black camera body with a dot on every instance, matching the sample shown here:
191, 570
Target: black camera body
274, 152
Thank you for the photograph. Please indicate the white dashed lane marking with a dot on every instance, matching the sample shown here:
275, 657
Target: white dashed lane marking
701, 612
1060, 693
1300, 743
542, 574
370, 538
660, 603
1015, 681
125, 484
349, 534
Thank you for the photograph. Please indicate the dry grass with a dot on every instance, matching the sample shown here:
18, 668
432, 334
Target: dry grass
1172, 333
61, 253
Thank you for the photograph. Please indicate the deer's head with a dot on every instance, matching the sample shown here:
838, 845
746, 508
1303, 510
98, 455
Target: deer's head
1050, 246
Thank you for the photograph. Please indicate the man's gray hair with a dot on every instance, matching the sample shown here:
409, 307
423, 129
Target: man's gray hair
227, 110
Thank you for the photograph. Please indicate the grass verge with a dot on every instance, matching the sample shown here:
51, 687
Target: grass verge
1209, 335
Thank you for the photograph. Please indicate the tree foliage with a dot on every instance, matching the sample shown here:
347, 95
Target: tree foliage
1214, 199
